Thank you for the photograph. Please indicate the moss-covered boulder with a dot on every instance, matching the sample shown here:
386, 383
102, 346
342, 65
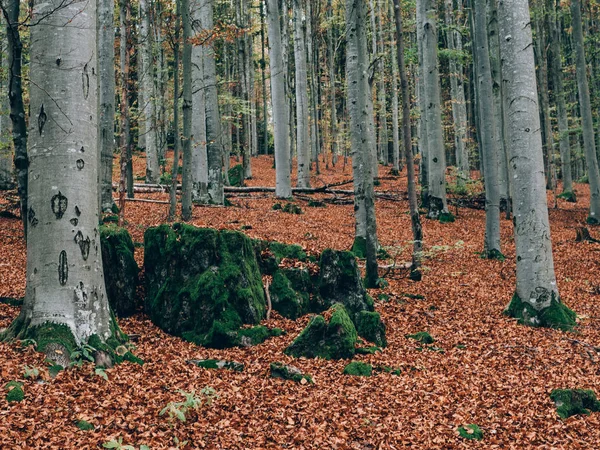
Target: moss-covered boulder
340, 282
358, 369
203, 284
270, 253
370, 327
570, 402
290, 292
287, 372
236, 175
120, 269
329, 340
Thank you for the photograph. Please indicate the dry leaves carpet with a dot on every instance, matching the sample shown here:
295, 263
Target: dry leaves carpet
493, 372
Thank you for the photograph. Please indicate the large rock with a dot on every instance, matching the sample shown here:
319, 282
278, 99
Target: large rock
203, 284
329, 340
120, 270
291, 292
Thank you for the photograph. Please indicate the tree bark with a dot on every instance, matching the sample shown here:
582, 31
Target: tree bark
6, 151
302, 135
186, 194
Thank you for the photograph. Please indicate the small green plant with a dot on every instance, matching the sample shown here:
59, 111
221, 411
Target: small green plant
101, 373
290, 208
31, 372
83, 354
166, 178
471, 432
192, 402
117, 444
15, 391
84, 425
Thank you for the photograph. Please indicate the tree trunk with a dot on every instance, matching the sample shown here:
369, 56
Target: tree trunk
65, 288
6, 153
125, 162
214, 147
177, 141
487, 130
381, 92
279, 103
361, 142
586, 115
420, 94
433, 116
186, 192
302, 135
147, 90
331, 60
536, 301
415, 272
17, 107
396, 157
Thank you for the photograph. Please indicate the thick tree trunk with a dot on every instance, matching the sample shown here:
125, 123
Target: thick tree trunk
586, 114
65, 285
331, 61
361, 142
302, 135
186, 193
436, 153
420, 94
177, 143
536, 301
396, 156
279, 103
415, 272
214, 146
487, 130
106, 99
146, 78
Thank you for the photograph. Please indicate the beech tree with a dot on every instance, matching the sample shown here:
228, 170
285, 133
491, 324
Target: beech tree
65, 302
536, 301
302, 135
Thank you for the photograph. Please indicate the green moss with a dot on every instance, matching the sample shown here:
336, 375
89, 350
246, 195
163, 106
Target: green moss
388, 369
414, 296
15, 392
84, 425
471, 432
236, 175
110, 218
584, 179
570, 402
446, 217
569, 196
286, 372
383, 298
11, 301
316, 204
368, 350
290, 208
592, 220
557, 315
288, 300
422, 336
218, 364
370, 327
359, 369
494, 254
276, 207
359, 247
333, 340
289, 251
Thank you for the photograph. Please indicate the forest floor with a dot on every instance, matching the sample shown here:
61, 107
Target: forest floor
487, 369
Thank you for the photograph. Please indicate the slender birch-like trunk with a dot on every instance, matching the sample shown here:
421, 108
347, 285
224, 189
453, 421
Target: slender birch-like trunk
331, 61
177, 143
302, 135
186, 184
586, 114
420, 93
536, 301
396, 156
283, 188
6, 153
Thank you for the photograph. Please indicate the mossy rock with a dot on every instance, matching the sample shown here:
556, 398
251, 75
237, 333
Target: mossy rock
333, 340
422, 336
120, 269
290, 208
270, 253
359, 369
218, 364
316, 204
340, 282
570, 402
557, 315
236, 175
203, 284
84, 425
288, 299
446, 217
15, 392
471, 432
287, 372
368, 350
370, 327
568, 196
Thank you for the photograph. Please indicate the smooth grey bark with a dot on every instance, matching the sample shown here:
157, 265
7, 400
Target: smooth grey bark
361, 142
17, 107
243, 86
263, 66
559, 98
331, 66
198, 136
420, 94
314, 90
536, 294
396, 156
105, 49
214, 145
417, 231
177, 143
487, 130
457, 93
65, 283
499, 120
186, 181
436, 154
586, 114
302, 136
6, 153
146, 84
381, 92
283, 187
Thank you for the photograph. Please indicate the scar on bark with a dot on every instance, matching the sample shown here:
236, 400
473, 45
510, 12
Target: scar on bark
59, 205
84, 245
33, 221
63, 268
85, 78
80, 164
42, 118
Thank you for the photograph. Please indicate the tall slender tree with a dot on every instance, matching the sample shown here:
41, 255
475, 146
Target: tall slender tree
186, 185
302, 135
536, 301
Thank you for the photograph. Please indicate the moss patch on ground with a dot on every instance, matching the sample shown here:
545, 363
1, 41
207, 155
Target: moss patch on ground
287, 372
15, 392
422, 336
359, 369
557, 315
570, 402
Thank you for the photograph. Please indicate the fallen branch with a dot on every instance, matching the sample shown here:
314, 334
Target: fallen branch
145, 200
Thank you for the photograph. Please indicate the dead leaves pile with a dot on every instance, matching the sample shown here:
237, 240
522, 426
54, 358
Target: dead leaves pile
485, 369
